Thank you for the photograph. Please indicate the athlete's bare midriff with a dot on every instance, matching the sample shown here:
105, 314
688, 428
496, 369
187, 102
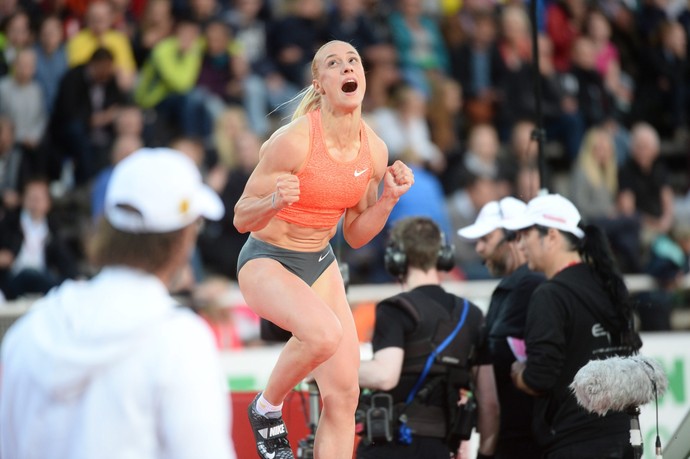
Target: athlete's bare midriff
294, 237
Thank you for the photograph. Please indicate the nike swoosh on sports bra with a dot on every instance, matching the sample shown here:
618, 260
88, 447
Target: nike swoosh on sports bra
327, 186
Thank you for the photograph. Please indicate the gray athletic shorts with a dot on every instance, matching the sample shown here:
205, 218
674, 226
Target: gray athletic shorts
308, 266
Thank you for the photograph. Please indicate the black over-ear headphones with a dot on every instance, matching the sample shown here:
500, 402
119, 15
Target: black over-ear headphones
395, 258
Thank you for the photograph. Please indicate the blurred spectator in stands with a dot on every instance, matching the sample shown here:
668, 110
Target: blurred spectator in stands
668, 265
478, 66
383, 74
684, 20
625, 36
22, 100
522, 145
520, 159
33, 254
594, 188
220, 83
482, 159
420, 45
81, 124
561, 116
123, 146
425, 199
156, 25
130, 121
294, 38
607, 61
123, 17
99, 33
51, 59
86, 107
515, 41
650, 15
17, 36
662, 96
168, 75
463, 207
403, 125
586, 84
643, 185
192, 148
203, 12
220, 243
447, 125
527, 182
564, 22
228, 126
348, 22
265, 88
13, 168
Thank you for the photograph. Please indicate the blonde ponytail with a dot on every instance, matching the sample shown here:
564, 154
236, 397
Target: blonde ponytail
311, 100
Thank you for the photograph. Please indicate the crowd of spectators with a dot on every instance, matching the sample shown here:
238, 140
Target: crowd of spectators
450, 88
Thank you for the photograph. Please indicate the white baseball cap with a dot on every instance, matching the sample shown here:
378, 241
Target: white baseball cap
157, 191
551, 211
492, 216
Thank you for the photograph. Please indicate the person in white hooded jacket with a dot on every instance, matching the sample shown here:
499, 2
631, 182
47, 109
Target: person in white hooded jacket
113, 367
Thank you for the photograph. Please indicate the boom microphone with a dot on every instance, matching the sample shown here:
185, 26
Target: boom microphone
618, 383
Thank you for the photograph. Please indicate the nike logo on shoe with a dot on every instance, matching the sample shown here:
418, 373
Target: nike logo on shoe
358, 173
277, 430
270, 455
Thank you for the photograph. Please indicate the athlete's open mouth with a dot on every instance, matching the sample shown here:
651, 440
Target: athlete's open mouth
350, 86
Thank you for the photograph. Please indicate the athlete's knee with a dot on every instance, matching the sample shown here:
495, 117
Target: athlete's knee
324, 341
343, 401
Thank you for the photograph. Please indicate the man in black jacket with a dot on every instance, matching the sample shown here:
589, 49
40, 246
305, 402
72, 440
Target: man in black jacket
86, 106
505, 320
402, 343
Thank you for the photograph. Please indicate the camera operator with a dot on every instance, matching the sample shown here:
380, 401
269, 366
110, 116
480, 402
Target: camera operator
505, 320
411, 364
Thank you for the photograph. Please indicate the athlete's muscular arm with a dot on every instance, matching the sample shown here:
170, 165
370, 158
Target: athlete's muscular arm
273, 184
367, 218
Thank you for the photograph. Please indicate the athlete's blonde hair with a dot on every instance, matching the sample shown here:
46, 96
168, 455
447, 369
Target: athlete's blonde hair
310, 98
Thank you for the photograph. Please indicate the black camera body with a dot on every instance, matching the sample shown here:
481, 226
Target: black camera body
375, 420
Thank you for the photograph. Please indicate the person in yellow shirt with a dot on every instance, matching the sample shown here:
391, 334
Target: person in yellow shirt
99, 33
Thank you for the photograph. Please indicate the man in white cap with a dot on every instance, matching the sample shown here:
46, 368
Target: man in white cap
505, 319
113, 367
580, 313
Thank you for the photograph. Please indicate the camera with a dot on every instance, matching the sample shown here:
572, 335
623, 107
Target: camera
374, 421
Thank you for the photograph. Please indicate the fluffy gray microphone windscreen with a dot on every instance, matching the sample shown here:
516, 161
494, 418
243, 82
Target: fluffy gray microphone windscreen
618, 383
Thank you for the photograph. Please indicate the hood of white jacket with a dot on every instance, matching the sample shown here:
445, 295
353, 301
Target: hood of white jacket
84, 327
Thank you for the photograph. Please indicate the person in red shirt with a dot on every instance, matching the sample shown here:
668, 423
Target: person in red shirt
325, 165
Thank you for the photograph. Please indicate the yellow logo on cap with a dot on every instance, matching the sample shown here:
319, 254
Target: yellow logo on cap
184, 206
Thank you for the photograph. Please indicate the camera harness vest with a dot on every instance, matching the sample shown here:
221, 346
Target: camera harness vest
433, 351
